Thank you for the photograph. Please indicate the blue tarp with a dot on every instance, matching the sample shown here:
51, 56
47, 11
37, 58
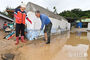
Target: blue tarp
11, 25
34, 34
79, 24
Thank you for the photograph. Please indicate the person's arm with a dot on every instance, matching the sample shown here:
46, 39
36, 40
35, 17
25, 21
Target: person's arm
42, 20
28, 19
15, 14
42, 26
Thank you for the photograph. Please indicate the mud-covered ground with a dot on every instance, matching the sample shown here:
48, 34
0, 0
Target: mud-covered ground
65, 46
9, 47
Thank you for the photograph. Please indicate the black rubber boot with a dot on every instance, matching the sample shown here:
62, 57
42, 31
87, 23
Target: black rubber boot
44, 39
48, 42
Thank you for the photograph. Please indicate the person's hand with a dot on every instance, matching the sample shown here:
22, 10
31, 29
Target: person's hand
30, 22
40, 29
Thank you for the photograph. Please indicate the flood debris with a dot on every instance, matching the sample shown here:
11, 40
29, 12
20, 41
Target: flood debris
7, 56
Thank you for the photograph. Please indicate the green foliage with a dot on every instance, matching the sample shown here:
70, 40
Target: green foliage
76, 13
8, 14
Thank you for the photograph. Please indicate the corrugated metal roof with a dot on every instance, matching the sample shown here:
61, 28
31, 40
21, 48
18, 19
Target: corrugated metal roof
1, 15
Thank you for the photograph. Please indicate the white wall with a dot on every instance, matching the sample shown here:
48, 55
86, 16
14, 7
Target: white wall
36, 23
88, 26
68, 26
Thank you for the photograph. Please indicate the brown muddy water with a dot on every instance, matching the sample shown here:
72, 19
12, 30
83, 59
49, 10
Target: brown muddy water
67, 46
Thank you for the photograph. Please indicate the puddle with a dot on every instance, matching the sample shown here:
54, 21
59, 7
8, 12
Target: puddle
68, 46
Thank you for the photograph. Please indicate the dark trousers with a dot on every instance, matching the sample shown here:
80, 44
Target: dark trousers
47, 30
20, 28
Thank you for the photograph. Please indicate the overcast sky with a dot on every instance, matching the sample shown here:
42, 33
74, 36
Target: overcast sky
61, 5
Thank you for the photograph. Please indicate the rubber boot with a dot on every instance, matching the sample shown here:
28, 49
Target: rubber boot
48, 41
17, 41
44, 39
22, 39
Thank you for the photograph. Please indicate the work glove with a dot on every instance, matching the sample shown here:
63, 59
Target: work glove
29, 20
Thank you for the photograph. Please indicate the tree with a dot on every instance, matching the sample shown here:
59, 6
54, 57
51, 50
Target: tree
68, 14
76, 13
10, 12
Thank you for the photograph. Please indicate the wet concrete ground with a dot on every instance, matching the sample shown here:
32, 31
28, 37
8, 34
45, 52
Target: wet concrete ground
68, 46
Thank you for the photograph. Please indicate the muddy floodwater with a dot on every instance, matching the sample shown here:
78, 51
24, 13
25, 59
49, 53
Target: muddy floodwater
67, 46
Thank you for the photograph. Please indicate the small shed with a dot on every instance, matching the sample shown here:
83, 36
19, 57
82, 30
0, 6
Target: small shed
3, 19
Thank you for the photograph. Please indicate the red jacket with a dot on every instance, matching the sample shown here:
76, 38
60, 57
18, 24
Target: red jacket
21, 16
5, 24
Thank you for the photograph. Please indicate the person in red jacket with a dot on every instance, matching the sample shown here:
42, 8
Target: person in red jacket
20, 16
5, 25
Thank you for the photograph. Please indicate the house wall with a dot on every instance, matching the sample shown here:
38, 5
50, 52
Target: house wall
36, 23
88, 26
33, 30
2, 20
58, 21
